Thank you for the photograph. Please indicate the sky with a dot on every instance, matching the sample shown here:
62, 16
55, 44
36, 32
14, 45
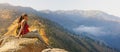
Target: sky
109, 6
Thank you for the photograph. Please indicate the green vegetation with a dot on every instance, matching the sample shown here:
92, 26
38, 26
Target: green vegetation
59, 37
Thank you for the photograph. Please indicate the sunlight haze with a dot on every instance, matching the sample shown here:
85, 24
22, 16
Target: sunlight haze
110, 6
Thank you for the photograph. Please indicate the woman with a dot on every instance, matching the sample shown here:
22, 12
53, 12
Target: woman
22, 25
23, 30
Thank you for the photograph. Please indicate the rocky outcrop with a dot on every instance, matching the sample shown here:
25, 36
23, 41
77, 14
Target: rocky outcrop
13, 44
54, 50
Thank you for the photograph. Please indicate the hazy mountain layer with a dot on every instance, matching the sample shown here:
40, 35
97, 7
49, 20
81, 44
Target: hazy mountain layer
57, 36
99, 24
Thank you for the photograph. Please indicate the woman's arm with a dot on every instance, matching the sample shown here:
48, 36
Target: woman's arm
22, 25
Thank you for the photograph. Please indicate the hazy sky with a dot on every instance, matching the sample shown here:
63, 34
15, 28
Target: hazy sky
109, 6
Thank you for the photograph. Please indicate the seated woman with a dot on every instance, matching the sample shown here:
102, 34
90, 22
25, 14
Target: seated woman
23, 30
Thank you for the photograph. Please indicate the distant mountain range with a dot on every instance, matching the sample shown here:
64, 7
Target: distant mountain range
101, 25
69, 30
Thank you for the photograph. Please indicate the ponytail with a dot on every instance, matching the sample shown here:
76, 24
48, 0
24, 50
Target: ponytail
20, 19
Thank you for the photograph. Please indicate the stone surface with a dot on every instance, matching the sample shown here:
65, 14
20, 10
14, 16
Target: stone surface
12, 44
54, 50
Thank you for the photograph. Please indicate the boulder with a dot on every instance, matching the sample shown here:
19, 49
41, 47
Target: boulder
13, 44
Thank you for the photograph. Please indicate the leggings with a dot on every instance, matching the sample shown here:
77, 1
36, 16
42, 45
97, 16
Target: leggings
35, 35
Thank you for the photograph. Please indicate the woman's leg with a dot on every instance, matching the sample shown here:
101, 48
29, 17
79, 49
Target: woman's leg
35, 35
31, 35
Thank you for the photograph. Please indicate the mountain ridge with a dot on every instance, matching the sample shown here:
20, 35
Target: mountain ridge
58, 36
106, 25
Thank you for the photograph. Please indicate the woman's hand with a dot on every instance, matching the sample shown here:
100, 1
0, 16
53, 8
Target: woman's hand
19, 35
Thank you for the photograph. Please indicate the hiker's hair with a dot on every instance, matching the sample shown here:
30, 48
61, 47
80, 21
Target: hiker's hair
24, 14
21, 17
